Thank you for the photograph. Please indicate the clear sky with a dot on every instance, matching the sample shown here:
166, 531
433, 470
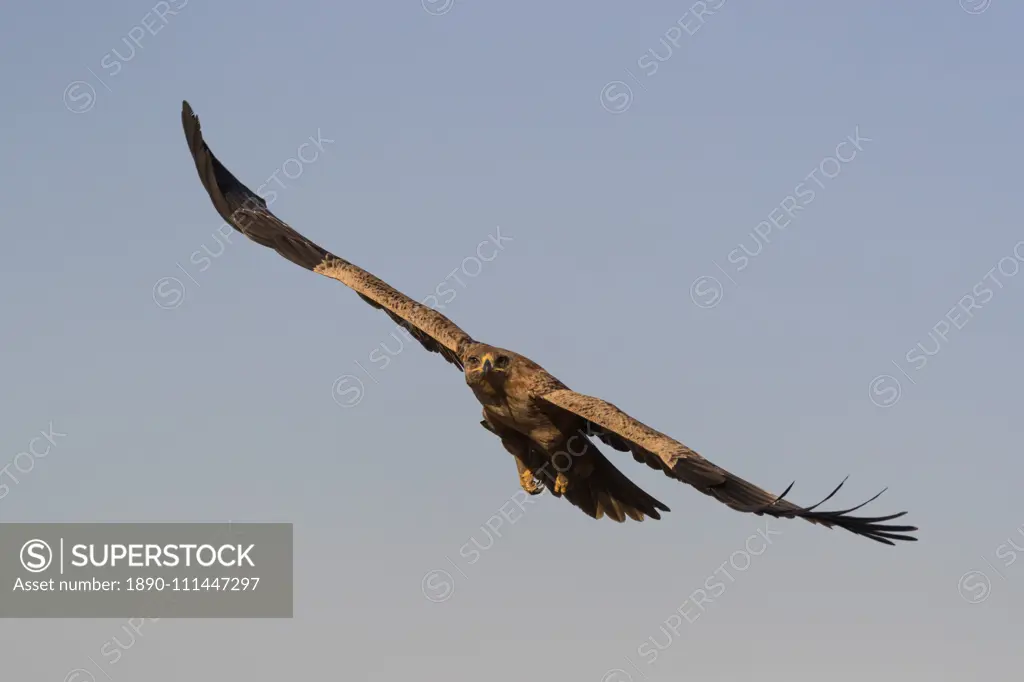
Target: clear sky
684, 232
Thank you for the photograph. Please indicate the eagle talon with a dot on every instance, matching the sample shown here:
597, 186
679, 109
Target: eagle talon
529, 482
561, 484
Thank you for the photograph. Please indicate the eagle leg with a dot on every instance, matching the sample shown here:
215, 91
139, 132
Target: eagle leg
519, 448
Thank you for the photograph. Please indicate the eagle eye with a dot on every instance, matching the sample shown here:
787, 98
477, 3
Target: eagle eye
502, 362
472, 359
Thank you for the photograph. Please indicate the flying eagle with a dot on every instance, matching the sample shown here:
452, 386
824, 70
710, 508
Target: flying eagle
547, 427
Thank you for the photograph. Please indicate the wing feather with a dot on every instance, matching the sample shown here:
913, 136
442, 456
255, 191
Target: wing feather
623, 432
248, 213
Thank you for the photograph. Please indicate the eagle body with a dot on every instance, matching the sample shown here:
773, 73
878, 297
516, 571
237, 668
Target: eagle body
550, 430
552, 448
511, 402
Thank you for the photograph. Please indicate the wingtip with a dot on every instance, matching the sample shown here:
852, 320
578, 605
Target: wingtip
187, 114
870, 527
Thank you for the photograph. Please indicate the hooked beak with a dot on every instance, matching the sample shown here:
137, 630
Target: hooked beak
487, 365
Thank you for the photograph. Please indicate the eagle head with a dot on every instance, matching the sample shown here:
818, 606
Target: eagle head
483, 363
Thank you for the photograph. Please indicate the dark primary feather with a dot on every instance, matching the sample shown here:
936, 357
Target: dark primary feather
248, 213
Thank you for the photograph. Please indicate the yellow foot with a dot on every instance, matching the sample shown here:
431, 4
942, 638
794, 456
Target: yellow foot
561, 484
530, 483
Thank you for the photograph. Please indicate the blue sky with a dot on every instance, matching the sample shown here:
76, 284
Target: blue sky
632, 160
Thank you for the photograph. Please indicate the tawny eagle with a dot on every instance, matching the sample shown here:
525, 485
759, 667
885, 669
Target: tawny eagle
547, 427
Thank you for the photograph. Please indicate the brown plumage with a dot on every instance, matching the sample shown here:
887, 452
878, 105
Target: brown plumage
544, 425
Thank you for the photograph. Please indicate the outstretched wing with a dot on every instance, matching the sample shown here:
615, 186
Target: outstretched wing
618, 429
248, 213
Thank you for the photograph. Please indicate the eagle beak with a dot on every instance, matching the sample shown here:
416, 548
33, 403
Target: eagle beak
487, 365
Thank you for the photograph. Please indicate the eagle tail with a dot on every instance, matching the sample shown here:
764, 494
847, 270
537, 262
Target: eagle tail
606, 491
